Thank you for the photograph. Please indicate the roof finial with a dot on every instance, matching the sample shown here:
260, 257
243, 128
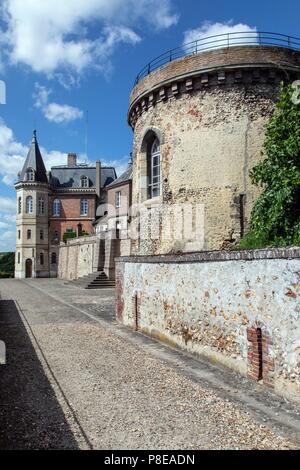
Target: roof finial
34, 136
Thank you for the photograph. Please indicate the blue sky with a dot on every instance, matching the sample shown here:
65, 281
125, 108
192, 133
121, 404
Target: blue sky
62, 59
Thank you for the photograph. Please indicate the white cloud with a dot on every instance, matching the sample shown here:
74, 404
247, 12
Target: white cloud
7, 223
7, 204
54, 112
208, 29
9, 235
119, 165
62, 113
7, 240
49, 36
4, 225
13, 154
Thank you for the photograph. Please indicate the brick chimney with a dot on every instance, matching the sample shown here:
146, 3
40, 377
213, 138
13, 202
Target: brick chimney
72, 159
98, 178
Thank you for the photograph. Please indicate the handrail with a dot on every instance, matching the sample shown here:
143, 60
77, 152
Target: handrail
249, 38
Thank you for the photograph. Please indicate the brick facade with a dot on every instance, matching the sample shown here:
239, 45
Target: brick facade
70, 216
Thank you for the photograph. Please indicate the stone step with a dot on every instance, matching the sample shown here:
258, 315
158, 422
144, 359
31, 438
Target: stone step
100, 287
97, 279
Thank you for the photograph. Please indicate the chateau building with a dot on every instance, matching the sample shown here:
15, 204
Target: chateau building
54, 206
113, 229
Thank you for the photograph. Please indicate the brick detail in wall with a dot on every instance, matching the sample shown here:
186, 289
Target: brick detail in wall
136, 311
261, 365
119, 293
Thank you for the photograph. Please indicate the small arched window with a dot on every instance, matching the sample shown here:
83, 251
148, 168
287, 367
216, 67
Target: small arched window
29, 205
84, 207
154, 169
41, 206
28, 234
56, 208
53, 258
41, 259
19, 205
30, 174
84, 182
19, 257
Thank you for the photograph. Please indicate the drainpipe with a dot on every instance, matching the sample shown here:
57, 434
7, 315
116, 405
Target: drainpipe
98, 179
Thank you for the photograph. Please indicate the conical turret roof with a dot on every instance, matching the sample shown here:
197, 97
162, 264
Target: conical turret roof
34, 161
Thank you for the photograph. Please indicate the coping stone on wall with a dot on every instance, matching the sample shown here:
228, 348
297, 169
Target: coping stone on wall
208, 256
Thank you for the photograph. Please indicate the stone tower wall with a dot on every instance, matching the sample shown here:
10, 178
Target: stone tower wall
210, 113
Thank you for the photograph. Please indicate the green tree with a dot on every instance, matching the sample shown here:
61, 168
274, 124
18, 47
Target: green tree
7, 265
275, 219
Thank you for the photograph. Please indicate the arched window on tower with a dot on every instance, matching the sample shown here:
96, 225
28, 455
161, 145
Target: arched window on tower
30, 174
154, 169
19, 205
56, 208
41, 206
29, 205
84, 182
53, 258
41, 259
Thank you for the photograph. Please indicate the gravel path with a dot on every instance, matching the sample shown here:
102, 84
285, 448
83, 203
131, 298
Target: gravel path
71, 382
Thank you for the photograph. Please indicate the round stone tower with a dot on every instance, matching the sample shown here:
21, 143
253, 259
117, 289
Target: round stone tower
205, 116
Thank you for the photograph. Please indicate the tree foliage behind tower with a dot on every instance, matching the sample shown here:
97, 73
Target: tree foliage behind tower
275, 219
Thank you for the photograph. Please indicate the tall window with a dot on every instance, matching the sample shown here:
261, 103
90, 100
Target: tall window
41, 259
19, 257
53, 258
84, 206
56, 208
30, 174
84, 182
41, 234
118, 199
154, 170
19, 234
28, 234
19, 205
29, 205
55, 236
41, 206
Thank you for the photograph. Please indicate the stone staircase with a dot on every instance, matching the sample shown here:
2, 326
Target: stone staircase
97, 280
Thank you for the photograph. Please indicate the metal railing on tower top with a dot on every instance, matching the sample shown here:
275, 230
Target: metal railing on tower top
247, 38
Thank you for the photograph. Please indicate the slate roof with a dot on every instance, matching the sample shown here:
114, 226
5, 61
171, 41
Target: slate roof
70, 177
126, 176
63, 176
34, 160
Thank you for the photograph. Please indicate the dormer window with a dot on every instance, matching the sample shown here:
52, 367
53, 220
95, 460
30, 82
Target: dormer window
30, 174
84, 181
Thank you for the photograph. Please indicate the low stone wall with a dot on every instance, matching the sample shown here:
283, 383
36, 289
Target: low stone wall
239, 309
78, 257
